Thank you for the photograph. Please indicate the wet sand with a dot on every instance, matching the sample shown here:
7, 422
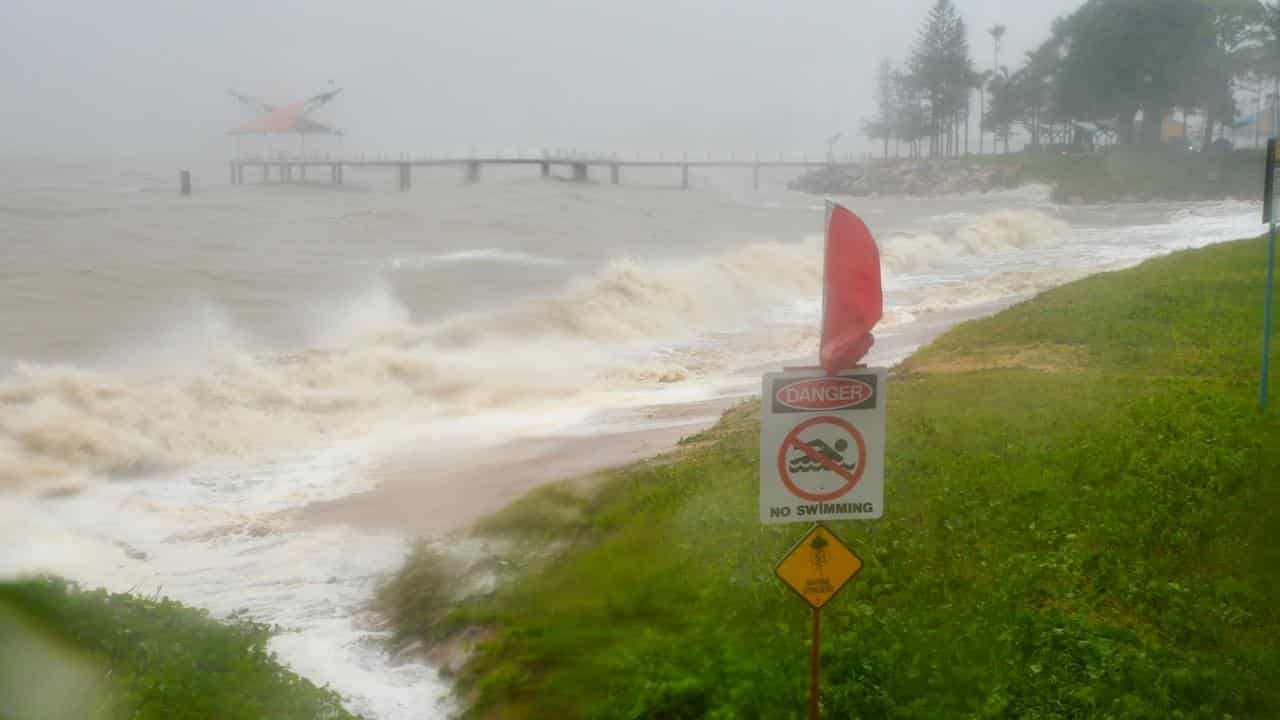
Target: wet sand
433, 492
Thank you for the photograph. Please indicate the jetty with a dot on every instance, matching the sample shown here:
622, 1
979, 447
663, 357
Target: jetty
577, 167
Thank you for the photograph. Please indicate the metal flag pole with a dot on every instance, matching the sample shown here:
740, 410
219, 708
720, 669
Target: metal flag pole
1266, 316
1268, 216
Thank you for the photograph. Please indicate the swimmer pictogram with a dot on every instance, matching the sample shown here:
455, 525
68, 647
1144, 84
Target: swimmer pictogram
806, 462
836, 465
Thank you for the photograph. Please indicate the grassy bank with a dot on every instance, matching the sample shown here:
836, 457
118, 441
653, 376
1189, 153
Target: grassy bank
71, 654
1081, 521
1128, 175
1111, 175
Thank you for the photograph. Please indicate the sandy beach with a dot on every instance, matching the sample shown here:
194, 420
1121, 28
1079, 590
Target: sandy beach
436, 492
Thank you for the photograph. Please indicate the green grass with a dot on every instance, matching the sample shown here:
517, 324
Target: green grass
67, 653
1081, 522
1141, 175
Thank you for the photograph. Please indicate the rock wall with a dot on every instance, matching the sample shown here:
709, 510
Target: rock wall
907, 177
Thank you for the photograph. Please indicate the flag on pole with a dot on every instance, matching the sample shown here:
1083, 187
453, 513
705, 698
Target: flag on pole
852, 301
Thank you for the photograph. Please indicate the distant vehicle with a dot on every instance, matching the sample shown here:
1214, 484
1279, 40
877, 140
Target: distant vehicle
1180, 145
1065, 149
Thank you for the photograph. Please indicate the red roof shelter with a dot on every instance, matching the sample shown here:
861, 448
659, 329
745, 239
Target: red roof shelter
288, 119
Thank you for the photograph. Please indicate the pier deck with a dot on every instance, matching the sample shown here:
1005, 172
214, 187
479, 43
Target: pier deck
288, 170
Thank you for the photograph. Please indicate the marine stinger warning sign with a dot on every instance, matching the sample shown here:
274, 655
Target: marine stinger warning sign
822, 445
818, 566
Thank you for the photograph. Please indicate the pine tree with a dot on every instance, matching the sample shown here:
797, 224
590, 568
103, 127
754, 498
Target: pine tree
942, 71
884, 125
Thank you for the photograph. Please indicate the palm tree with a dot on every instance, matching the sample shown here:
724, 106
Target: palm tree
1004, 108
997, 34
983, 79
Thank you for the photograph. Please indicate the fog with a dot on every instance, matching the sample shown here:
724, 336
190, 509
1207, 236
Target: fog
151, 77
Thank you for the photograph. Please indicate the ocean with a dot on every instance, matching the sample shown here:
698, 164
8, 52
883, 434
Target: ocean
180, 376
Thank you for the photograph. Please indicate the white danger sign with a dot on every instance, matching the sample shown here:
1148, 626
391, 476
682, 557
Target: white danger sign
822, 445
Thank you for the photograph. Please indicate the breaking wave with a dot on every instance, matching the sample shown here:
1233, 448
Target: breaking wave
997, 232
484, 255
62, 424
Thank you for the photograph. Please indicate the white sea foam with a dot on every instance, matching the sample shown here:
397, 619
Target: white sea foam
586, 344
998, 232
209, 540
482, 255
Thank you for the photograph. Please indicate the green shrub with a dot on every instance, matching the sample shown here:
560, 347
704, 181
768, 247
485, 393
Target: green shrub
158, 659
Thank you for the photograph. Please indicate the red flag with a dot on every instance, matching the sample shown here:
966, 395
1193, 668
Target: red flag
852, 302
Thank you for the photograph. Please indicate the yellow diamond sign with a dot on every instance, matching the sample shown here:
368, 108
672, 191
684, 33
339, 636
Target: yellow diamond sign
818, 566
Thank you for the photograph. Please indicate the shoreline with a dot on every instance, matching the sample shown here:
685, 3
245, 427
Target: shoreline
418, 493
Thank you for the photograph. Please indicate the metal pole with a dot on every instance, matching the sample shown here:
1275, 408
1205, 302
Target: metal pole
813, 665
1275, 106
1257, 117
1266, 318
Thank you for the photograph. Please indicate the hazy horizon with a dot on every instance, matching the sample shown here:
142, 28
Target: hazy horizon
150, 77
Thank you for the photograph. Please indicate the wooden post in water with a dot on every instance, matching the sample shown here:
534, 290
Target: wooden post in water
615, 173
405, 178
184, 182
473, 172
684, 177
580, 172
755, 176
545, 167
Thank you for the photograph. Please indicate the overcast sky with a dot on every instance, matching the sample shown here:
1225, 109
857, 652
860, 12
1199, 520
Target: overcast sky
132, 76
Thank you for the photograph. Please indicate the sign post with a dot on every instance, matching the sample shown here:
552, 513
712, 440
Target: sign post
1269, 217
815, 664
817, 568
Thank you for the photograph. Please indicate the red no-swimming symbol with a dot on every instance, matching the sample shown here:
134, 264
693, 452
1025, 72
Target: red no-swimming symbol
821, 458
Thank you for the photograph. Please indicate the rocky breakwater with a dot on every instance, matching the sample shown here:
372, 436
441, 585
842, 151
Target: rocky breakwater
907, 177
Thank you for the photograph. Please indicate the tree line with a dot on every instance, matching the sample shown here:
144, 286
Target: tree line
1108, 64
